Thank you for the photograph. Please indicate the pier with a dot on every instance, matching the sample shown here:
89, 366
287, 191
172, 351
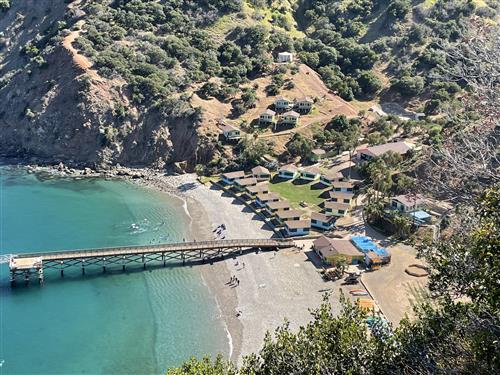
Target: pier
26, 265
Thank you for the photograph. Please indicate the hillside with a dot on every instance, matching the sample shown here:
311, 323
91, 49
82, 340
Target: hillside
101, 82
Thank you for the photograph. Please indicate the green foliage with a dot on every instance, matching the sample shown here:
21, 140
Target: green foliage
398, 9
300, 146
4, 5
409, 86
369, 84
204, 367
250, 152
468, 264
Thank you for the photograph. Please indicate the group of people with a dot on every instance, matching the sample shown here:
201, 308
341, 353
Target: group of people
219, 232
234, 281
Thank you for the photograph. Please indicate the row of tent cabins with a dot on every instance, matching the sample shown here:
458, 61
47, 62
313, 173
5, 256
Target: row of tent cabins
341, 195
356, 250
339, 203
255, 189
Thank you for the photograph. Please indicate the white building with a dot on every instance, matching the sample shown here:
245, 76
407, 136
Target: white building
322, 221
285, 57
297, 228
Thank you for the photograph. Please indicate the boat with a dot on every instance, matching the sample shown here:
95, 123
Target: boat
359, 292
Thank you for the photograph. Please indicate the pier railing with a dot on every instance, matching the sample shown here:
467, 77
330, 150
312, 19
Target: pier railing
25, 264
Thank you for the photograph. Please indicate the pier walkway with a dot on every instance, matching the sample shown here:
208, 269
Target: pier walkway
26, 264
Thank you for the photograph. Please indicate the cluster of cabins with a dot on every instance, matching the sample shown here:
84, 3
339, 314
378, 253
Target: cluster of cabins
286, 111
254, 187
356, 250
340, 198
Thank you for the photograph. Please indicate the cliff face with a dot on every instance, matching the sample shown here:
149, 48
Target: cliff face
56, 107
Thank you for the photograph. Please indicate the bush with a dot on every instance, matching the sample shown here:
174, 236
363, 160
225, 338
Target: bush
409, 86
4, 5
369, 84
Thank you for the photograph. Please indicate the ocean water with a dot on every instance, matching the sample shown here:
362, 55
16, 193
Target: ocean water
134, 322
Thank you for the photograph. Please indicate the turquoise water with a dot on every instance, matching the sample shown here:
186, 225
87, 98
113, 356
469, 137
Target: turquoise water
117, 323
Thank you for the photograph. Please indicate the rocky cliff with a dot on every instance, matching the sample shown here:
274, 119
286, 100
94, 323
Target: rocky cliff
56, 107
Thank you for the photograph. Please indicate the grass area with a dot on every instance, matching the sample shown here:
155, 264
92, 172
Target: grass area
295, 192
253, 16
429, 3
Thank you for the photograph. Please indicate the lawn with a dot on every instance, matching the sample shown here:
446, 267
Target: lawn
295, 192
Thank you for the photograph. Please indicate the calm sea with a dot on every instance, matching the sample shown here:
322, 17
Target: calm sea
117, 323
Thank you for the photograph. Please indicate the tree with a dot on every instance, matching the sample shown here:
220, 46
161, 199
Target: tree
409, 86
369, 84
205, 366
300, 146
398, 9
467, 263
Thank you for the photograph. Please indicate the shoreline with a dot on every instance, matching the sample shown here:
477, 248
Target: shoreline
274, 285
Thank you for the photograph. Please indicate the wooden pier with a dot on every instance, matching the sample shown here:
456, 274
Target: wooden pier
27, 264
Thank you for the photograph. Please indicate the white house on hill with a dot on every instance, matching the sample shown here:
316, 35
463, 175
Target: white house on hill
285, 57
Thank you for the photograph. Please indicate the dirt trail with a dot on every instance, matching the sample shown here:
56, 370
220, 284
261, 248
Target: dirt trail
80, 60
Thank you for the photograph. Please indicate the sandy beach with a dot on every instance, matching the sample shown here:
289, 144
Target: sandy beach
273, 285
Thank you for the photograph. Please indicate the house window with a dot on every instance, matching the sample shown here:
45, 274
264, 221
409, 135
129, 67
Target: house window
394, 204
314, 221
293, 230
337, 189
341, 212
334, 199
346, 200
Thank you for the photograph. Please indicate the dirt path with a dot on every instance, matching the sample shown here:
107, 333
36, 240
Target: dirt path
79, 60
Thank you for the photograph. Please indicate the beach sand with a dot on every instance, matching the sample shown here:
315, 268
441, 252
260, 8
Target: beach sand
273, 285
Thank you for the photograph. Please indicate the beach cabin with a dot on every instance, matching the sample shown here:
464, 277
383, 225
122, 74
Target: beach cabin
252, 191
273, 207
330, 177
264, 198
297, 228
406, 203
304, 105
322, 221
285, 57
343, 186
261, 173
311, 173
282, 104
231, 132
317, 154
267, 117
367, 154
338, 196
288, 172
336, 209
331, 249
229, 178
290, 118
283, 216
242, 183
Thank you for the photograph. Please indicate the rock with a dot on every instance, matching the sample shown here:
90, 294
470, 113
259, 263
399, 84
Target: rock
87, 171
180, 167
60, 167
